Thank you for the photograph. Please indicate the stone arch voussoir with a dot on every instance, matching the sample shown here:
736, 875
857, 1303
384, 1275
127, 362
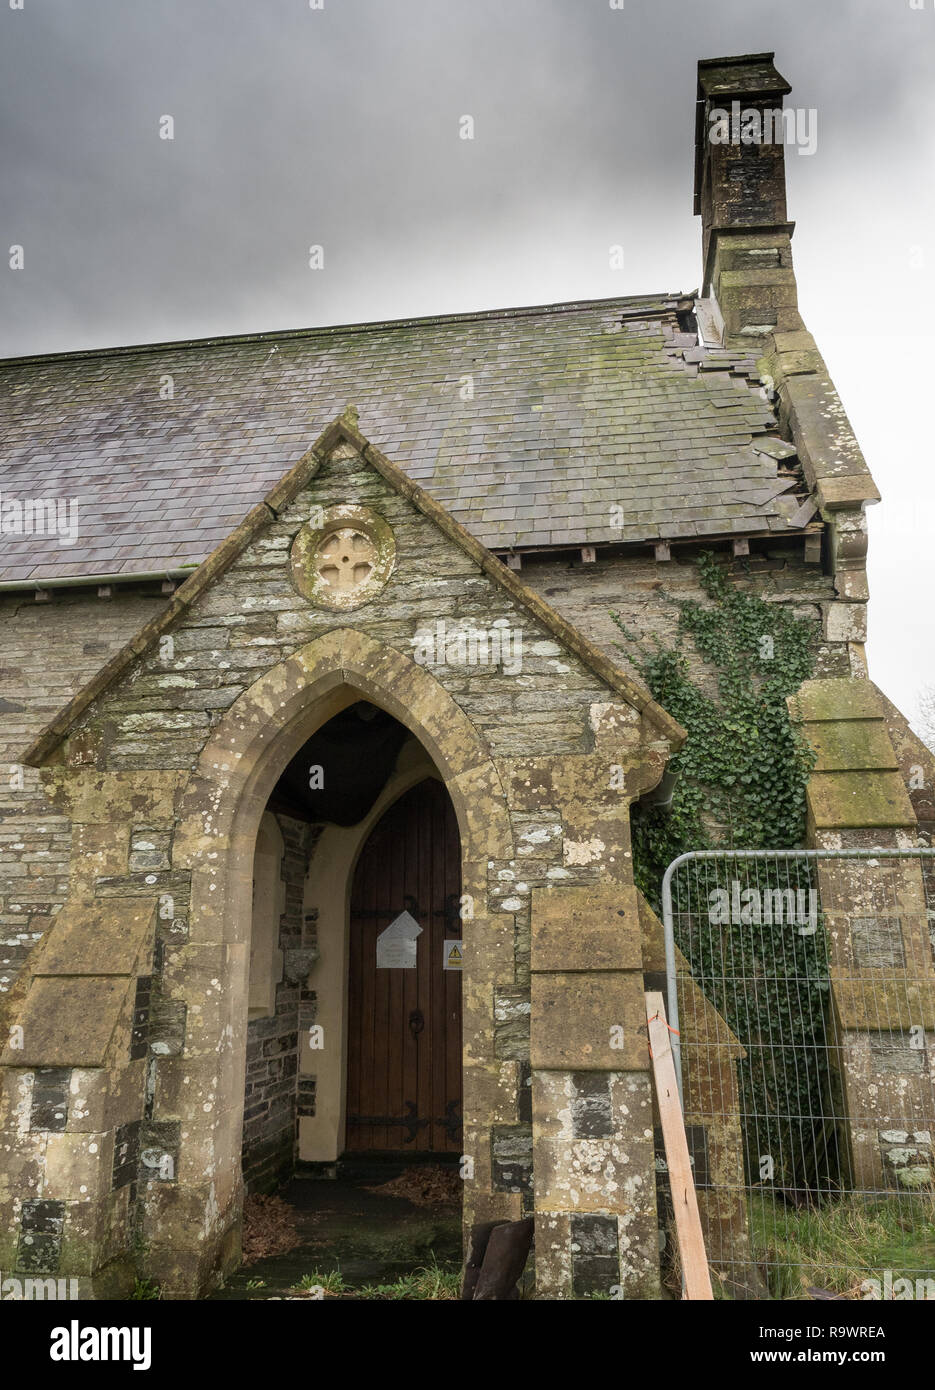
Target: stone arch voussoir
285, 705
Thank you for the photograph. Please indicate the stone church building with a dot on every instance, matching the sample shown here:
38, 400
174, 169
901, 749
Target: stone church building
321, 744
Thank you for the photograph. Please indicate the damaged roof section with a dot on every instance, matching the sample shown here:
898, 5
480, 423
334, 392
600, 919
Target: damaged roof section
573, 424
764, 477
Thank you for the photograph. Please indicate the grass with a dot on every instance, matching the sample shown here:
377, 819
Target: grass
145, 1288
429, 1282
330, 1283
843, 1243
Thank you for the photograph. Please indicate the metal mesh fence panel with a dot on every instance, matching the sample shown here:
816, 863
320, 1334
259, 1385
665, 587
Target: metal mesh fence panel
802, 986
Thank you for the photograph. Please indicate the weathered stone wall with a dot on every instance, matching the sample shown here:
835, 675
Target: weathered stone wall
49, 651
160, 715
52, 649
642, 591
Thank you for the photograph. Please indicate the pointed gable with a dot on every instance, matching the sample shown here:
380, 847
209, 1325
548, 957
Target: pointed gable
275, 508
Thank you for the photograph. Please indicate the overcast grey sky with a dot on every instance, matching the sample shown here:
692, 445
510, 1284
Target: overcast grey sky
339, 127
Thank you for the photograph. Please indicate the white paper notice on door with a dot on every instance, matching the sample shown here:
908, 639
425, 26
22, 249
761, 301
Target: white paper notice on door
396, 944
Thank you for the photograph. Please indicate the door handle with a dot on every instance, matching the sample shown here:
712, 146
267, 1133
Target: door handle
416, 1022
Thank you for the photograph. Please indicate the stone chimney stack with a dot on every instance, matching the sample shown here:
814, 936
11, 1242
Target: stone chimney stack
749, 302
740, 194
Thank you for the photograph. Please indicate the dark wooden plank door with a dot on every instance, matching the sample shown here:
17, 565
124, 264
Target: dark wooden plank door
404, 1024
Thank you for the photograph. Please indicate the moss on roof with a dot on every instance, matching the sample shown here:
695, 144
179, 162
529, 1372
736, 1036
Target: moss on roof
535, 427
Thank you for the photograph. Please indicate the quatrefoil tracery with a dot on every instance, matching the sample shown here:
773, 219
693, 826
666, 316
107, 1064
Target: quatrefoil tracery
345, 559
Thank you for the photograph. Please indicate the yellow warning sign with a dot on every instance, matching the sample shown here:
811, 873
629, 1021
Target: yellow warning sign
454, 955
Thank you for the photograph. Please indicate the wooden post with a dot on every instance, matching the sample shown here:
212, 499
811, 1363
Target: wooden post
681, 1182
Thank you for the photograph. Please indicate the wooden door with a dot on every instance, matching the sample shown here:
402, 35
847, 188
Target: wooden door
404, 1006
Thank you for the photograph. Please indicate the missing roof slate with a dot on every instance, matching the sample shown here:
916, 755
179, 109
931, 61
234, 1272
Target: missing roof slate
572, 409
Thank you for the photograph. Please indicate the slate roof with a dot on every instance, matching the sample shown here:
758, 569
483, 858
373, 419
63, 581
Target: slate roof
576, 409
344, 428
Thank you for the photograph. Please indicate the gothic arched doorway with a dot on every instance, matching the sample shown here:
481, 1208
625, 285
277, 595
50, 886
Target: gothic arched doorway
404, 980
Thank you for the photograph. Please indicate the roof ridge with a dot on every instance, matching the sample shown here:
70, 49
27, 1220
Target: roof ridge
570, 306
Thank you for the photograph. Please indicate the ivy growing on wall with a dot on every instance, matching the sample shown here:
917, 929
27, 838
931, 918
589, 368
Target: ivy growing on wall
741, 780
742, 772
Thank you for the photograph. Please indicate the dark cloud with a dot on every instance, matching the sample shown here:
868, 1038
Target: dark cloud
339, 126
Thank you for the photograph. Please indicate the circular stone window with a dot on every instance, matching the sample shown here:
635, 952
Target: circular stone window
346, 560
